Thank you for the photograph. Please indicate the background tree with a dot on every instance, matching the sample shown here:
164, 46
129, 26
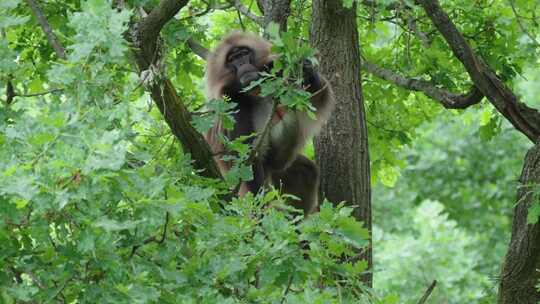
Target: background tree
517, 280
342, 147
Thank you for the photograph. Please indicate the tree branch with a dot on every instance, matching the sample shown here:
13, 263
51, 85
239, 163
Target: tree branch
522, 117
275, 11
51, 37
448, 99
152, 238
150, 26
10, 92
521, 25
197, 48
248, 13
428, 292
144, 36
39, 93
413, 26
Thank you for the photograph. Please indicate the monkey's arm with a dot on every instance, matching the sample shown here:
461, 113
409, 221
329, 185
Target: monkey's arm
288, 137
318, 86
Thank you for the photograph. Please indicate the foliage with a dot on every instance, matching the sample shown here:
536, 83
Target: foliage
448, 164
285, 81
394, 114
99, 205
538, 285
434, 249
98, 202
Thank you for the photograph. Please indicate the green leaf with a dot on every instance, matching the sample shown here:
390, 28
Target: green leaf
352, 231
348, 3
113, 225
533, 214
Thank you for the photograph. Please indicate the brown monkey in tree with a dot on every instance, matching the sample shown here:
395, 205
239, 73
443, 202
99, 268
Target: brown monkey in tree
234, 64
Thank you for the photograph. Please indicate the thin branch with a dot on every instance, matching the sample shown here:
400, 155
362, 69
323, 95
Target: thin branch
197, 48
448, 99
247, 12
208, 9
287, 289
36, 280
413, 26
521, 25
240, 20
10, 92
167, 215
53, 40
153, 238
255, 151
428, 292
40, 93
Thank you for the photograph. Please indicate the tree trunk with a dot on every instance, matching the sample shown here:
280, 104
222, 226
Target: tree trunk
520, 274
275, 11
342, 147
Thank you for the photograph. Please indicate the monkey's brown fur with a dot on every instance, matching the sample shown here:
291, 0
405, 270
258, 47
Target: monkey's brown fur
281, 162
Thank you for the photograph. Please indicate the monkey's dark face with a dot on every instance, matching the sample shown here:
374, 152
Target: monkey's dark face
241, 62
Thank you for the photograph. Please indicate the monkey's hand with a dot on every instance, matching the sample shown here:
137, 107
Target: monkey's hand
311, 78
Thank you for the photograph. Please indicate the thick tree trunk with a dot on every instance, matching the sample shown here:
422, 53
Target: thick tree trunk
342, 147
520, 269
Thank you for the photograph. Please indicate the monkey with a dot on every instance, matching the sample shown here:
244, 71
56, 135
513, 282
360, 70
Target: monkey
237, 61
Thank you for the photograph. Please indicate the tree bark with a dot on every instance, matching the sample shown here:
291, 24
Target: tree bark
275, 11
522, 117
520, 274
144, 36
342, 147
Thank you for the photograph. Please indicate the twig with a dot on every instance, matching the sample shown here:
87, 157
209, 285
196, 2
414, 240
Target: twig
10, 93
164, 228
260, 139
199, 14
521, 25
60, 290
36, 280
246, 12
288, 288
428, 292
53, 40
413, 26
40, 93
152, 238
240, 20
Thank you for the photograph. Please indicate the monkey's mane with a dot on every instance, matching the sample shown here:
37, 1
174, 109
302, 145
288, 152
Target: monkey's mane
217, 75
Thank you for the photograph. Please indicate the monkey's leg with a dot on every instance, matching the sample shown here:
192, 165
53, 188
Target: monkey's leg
255, 185
300, 179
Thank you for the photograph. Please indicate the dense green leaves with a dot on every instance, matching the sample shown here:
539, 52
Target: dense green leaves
98, 204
